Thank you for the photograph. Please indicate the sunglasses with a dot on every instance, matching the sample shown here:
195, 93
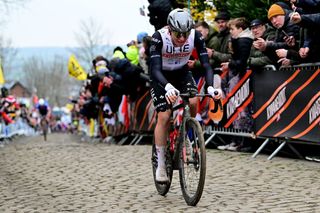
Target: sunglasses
179, 35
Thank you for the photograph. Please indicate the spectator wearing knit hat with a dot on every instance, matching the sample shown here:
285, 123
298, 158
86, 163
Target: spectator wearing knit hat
287, 36
222, 52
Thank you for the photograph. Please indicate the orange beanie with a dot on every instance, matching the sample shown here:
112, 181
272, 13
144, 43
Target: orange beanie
275, 10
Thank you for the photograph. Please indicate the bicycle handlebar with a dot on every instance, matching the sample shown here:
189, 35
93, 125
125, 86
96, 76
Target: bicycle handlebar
196, 95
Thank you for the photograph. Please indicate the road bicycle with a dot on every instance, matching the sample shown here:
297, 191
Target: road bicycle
185, 152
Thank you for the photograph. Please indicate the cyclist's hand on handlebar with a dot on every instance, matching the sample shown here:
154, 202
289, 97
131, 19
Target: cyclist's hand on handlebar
215, 93
172, 93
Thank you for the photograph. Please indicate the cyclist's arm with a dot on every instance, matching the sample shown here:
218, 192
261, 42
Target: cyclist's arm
156, 59
203, 57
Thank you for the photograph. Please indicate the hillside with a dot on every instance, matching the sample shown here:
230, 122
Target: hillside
15, 72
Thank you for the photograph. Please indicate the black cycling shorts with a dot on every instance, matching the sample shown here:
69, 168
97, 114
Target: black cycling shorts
182, 80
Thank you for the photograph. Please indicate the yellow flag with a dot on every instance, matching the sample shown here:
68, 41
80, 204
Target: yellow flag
69, 106
1, 74
75, 69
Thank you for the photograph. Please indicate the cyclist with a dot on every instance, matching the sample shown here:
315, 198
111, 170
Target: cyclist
43, 109
170, 50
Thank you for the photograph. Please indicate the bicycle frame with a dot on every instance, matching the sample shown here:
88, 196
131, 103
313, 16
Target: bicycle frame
185, 115
179, 156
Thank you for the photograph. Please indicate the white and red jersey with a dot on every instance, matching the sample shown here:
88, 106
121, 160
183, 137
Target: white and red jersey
174, 58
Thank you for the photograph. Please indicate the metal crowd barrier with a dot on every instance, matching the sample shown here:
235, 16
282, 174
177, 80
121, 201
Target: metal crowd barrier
18, 128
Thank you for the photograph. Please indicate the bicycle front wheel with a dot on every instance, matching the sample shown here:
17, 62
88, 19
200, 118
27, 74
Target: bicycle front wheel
192, 162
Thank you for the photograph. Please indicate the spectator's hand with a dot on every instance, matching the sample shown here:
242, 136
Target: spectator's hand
88, 94
216, 93
191, 64
171, 93
260, 44
293, 1
81, 101
290, 40
210, 52
282, 53
107, 81
225, 66
303, 52
295, 17
284, 62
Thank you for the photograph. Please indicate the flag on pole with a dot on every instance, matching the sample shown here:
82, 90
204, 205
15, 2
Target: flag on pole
1, 74
75, 70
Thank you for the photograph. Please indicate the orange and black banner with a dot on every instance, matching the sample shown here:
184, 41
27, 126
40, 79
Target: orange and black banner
287, 103
238, 97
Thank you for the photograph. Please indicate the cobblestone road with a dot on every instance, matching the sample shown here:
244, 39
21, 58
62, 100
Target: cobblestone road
66, 175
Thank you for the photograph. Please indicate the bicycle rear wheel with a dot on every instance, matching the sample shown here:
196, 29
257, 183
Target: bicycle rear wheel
44, 126
162, 188
192, 162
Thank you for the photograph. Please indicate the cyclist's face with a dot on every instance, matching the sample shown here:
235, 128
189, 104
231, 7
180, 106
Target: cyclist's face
179, 38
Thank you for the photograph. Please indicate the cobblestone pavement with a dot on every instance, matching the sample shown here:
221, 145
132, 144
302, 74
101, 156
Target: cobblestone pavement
66, 175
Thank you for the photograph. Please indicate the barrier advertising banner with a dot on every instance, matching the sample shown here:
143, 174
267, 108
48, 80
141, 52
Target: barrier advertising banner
287, 103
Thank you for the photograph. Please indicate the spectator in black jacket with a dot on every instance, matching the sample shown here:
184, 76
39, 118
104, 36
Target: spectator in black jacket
241, 42
310, 50
308, 6
287, 37
158, 12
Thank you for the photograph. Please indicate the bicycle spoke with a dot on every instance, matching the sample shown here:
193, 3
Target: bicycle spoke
192, 163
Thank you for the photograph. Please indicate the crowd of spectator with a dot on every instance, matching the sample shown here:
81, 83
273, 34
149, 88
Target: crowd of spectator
29, 112
233, 45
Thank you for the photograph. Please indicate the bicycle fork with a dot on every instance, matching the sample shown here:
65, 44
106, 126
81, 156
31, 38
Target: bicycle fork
180, 138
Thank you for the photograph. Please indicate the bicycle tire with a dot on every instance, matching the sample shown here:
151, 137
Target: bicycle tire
194, 162
162, 188
44, 126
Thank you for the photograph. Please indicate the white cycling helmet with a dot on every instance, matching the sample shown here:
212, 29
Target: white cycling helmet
41, 101
180, 20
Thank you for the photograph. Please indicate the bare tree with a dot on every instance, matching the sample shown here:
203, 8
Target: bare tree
49, 78
7, 5
7, 54
92, 41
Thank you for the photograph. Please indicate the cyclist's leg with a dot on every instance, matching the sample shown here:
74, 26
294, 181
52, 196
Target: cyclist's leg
161, 129
161, 135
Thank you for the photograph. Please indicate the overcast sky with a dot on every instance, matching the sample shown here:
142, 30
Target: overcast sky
54, 22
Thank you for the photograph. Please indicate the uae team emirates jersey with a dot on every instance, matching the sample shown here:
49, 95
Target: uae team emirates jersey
174, 58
